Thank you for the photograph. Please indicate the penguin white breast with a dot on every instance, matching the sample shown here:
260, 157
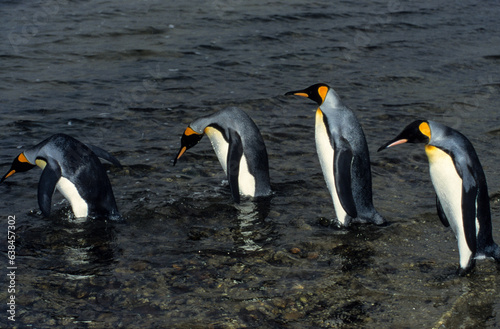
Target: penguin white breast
246, 181
70, 192
325, 155
219, 145
448, 186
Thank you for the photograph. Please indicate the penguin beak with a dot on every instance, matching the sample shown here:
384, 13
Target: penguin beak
189, 139
297, 93
181, 152
20, 164
392, 143
10, 173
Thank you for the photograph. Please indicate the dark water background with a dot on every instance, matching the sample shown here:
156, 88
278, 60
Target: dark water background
130, 75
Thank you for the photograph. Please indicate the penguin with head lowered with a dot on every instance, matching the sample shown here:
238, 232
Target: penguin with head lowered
344, 157
460, 184
239, 146
74, 169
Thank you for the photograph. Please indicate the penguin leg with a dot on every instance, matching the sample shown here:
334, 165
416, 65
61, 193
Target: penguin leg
342, 165
104, 155
46, 186
234, 154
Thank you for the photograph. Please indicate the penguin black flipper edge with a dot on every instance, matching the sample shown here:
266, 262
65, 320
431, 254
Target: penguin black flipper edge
46, 186
441, 214
234, 154
469, 195
342, 160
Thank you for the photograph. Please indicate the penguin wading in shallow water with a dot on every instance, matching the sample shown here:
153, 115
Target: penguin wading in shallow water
75, 170
344, 157
239, 146
460, 184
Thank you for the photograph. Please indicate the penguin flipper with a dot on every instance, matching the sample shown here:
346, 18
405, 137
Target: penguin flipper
104, 155
234, 154
469, 195
342, 160
46, 186
441, 214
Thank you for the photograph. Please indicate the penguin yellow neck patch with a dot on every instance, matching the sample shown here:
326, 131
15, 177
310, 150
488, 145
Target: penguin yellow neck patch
40, 163
425, 129
434, 153
322, 91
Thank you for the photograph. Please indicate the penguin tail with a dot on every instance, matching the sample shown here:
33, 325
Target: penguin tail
377, 219
374, 218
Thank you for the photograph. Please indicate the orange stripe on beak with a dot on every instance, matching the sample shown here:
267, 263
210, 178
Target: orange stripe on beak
181, 152
12, 172
398, 142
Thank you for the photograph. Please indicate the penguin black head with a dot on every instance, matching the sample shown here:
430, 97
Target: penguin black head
20, 164
189, 139
416, 132
316, 92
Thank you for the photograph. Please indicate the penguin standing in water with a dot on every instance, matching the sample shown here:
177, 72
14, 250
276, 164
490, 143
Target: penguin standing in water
344, 157
239, 146
75, 170
460, 184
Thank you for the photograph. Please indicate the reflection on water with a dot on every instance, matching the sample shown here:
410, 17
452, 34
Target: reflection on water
74, 248
254, 228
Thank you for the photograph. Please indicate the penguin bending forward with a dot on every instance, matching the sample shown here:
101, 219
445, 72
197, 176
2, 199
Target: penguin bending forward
239, 146
462, 195
74, 169
344, 157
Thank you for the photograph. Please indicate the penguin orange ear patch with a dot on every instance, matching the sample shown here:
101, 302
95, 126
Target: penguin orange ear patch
22, 158
190, 131
322, 91
425, 129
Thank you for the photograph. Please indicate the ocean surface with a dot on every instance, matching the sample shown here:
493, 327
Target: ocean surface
129, 76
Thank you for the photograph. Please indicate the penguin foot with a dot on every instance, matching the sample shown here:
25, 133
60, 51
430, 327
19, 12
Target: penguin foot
338, 224
468, 269
464, 271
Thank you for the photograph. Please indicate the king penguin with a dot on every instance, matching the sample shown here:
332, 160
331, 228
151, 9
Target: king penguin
75, 170
239, 146
344, 157
461, 193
